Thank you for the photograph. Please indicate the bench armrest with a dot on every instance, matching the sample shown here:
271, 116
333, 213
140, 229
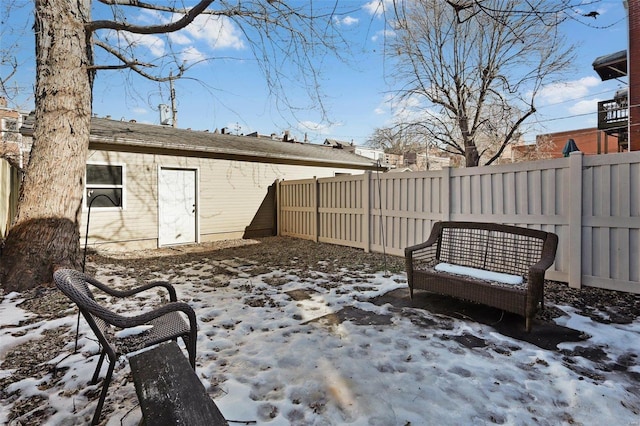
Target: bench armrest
416, 251
422, 253
535, 281
548, 255
433, 239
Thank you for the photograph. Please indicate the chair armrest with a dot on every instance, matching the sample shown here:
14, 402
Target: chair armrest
123, 321
126, 293
165, 309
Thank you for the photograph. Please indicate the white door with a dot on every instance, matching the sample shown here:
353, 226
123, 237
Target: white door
176, 206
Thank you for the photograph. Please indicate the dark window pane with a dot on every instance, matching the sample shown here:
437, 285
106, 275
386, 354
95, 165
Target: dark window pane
97, 197
104, 174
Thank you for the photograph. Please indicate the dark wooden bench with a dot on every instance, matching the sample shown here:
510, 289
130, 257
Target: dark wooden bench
169, 391
497, 265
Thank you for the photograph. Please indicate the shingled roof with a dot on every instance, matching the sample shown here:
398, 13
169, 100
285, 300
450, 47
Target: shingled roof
126, 136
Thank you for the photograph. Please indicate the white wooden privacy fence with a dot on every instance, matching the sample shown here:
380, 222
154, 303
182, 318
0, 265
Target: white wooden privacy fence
591, 202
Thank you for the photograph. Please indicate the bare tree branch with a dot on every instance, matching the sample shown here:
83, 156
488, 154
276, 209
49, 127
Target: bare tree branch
189, 16
143, 5
134, 64
473, 76
13, 66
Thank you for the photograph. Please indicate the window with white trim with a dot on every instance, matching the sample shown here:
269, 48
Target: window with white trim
104, 186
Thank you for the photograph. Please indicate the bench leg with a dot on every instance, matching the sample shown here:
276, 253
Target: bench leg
528, 324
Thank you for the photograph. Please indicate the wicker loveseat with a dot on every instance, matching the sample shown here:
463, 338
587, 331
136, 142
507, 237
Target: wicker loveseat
502, 266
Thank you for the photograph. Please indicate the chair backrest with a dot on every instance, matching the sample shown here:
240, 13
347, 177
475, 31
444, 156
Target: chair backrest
75, 285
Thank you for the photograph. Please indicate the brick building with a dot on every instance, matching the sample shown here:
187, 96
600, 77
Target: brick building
589, 141
13, 147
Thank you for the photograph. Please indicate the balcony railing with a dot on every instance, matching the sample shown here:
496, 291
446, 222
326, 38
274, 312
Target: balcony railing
613, 114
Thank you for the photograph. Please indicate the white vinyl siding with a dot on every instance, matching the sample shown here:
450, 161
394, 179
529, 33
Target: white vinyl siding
230, 195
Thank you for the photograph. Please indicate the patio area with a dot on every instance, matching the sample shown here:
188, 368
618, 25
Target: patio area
296, 332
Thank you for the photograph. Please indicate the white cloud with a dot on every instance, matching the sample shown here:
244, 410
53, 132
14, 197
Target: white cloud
403, 110
383, 34
584, 107
561, 92
140, 110
152, 17
377, 7
218, 31
191, 55
347, 20
408, 111
155, 44
179, 38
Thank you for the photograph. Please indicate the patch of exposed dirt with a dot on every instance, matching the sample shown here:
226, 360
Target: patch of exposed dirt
266, 254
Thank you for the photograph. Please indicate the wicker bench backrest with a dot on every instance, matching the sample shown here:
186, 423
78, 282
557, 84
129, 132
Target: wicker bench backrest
493, 247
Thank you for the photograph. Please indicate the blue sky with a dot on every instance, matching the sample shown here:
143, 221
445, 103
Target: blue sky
233, 93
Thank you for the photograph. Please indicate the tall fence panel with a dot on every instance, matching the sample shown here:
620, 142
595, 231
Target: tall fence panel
298, 209
404, 207
591, 202
611, 222
531, 194
342, 211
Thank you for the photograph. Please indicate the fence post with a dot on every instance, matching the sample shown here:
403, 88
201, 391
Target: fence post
366, 211
316, 201
445, 195
278, 207
575, 219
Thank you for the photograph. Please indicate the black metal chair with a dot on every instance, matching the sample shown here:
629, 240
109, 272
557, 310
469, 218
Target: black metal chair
166, 321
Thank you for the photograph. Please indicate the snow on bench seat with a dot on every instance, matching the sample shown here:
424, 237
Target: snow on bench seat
479, 273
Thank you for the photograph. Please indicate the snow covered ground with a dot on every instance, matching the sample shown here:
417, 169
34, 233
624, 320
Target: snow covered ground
270, 354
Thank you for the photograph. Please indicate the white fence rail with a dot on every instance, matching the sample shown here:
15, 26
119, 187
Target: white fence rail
591, 202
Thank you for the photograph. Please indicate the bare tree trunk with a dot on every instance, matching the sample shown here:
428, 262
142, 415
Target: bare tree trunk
471, 156
46, 231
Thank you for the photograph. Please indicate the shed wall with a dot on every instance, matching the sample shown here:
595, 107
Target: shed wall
232, 197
